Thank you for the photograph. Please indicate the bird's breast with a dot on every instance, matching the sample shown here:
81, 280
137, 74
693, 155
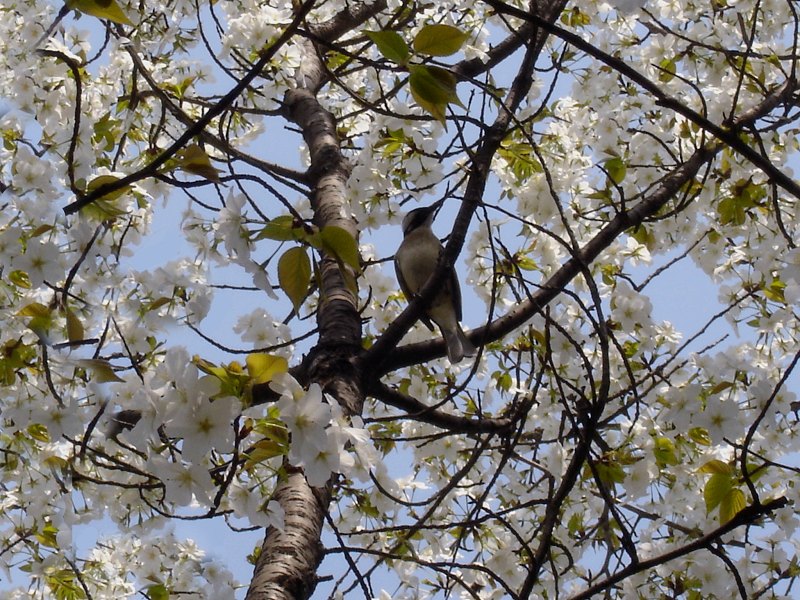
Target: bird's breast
417, 257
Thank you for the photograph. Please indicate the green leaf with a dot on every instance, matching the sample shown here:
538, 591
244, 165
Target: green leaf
731, 504
58, 463
193, 159
575, 18
521, 159
575, 524
272, 429
232, 378
503, 380
644, 235
755, 471
156, 304
158, 591
64, 585
41, 319
106, 132
526, 263
47, 536
668, 68
433, 88
313, 239
700, 436
102, 9
610, 472
101, 369
775, 291
717, 467
731, 212
294, 275
393, 141
264, 450
280, 229
103, 208
75, 331
263, 367
41, 229
616, 169
391, 45
366, 507
439, 40
717, 487
744, 196
15, 356
102, 180
665, 452
34, 309
342, 245
38, 432
20, 279
209, 368
433, 84
720, 387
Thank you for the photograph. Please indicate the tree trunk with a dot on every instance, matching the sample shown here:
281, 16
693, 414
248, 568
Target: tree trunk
287, 565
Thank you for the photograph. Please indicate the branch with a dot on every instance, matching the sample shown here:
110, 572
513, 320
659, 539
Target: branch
411, 354
378, 356
473, 67
728, 136
746, 516
347, 20
423, 413
217, 109
76, 123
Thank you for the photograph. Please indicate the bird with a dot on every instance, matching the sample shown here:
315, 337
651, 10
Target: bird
415, 262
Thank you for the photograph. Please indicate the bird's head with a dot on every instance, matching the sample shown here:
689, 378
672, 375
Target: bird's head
420, 217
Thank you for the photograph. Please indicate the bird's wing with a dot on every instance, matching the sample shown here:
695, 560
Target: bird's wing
455, 292
409, 295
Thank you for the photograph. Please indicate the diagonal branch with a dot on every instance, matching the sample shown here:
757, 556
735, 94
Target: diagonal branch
420, 412
671, 184
728, 136
214, 111
746, 516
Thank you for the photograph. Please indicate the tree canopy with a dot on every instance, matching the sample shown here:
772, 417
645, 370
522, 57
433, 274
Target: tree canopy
595, 162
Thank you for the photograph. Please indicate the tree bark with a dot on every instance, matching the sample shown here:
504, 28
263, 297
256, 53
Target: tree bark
286, 568
287, 565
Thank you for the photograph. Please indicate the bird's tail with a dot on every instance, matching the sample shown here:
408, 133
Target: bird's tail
458, 346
